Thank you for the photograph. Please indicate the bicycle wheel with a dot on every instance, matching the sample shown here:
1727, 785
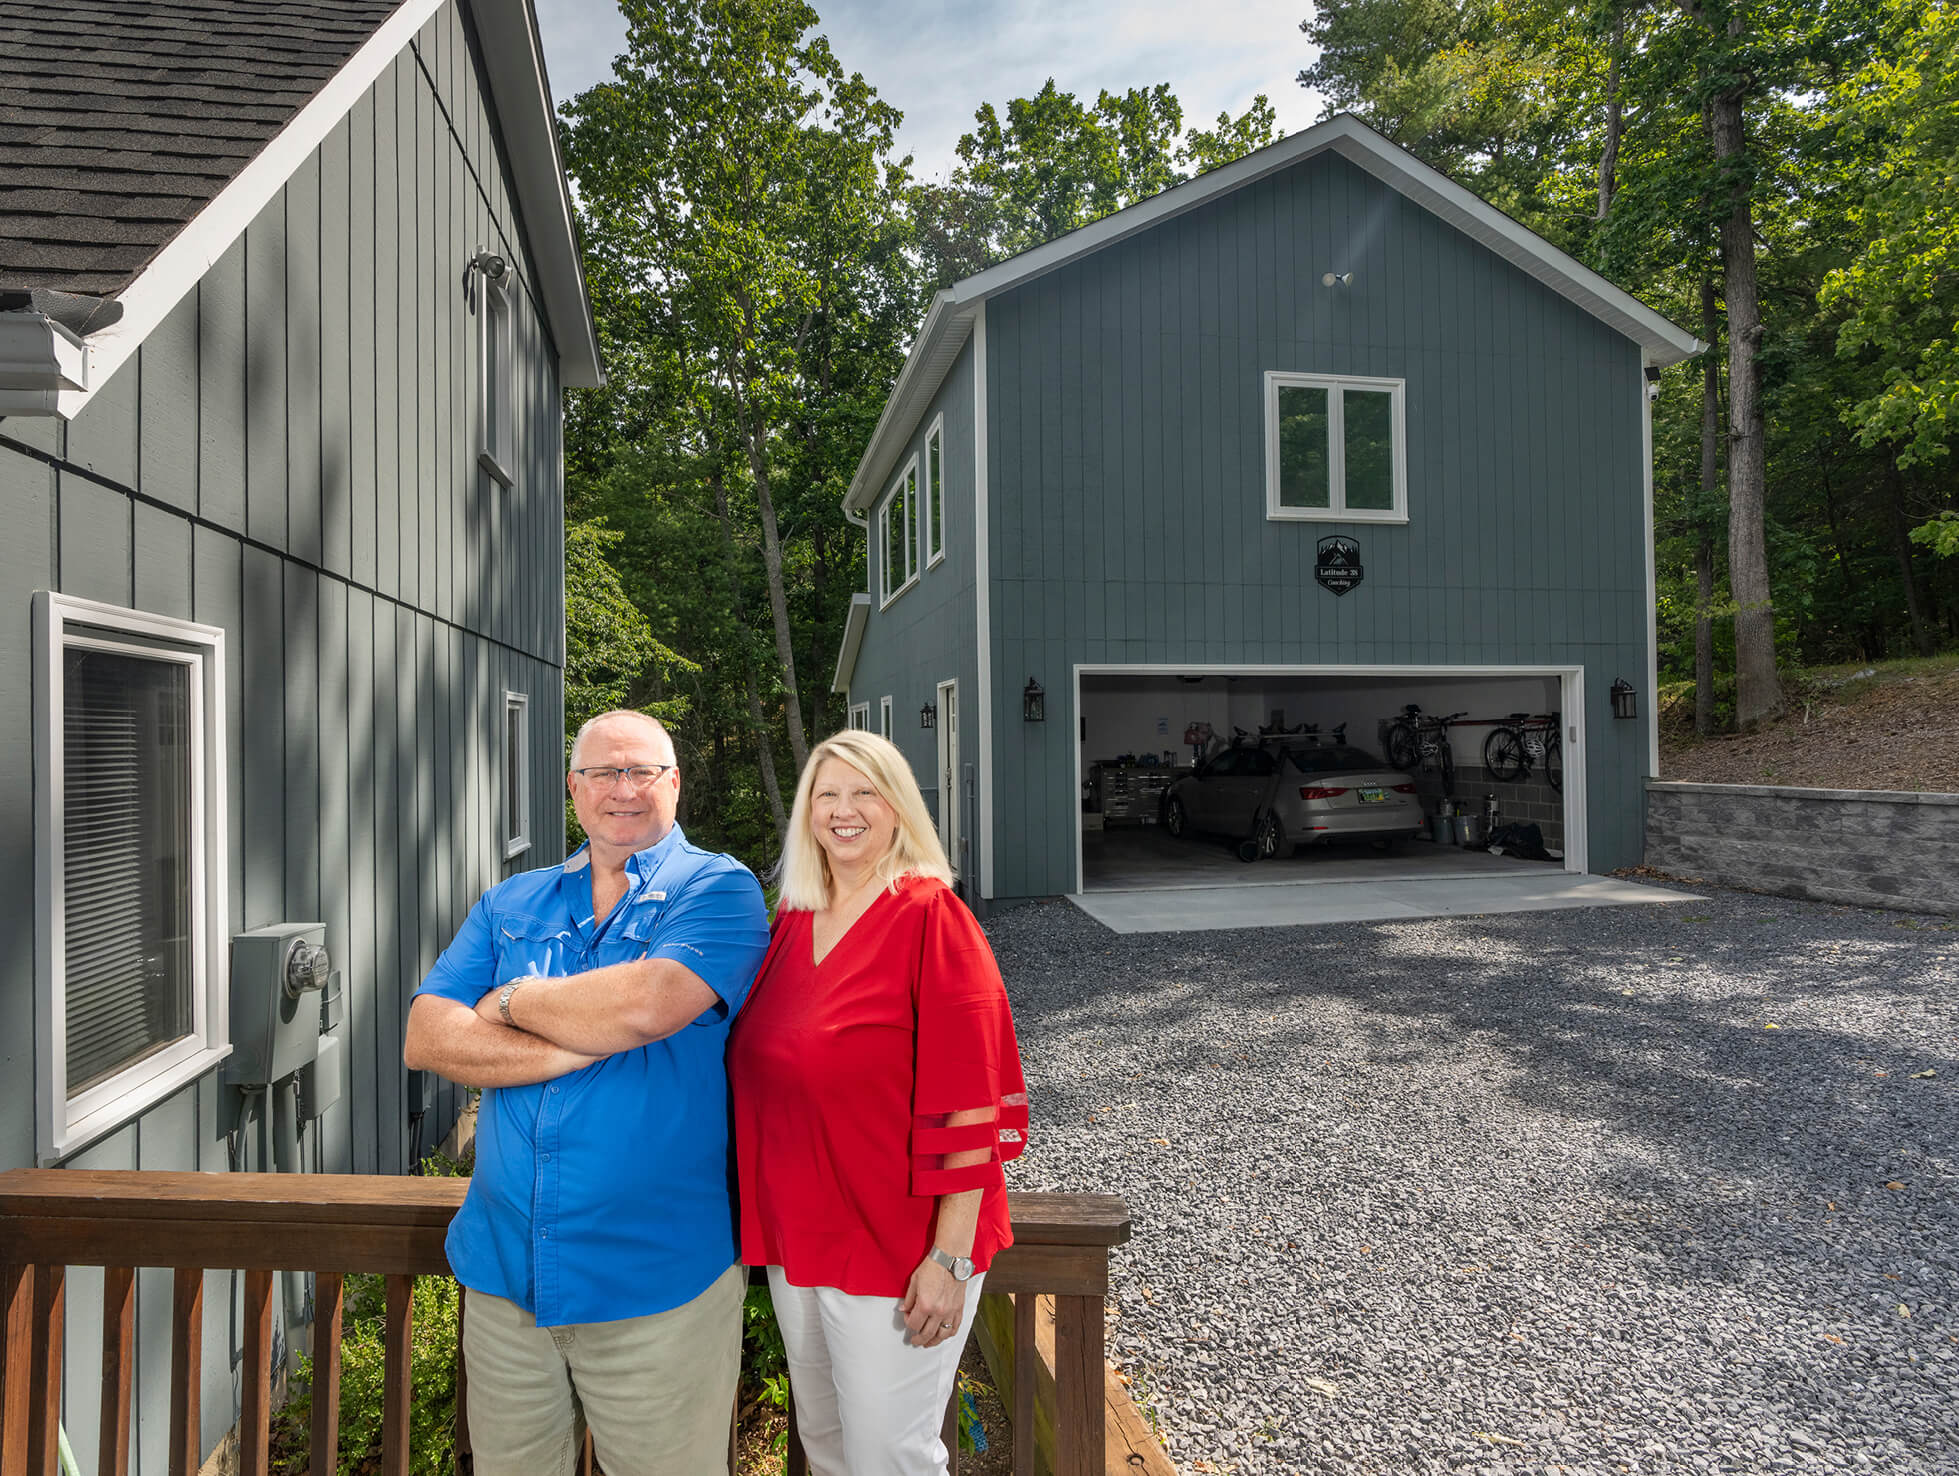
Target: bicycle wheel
1504, 756
1404, 746
1270, 836
1554, 761
1446, 759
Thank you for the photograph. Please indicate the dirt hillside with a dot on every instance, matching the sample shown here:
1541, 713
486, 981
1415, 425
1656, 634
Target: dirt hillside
1894, 727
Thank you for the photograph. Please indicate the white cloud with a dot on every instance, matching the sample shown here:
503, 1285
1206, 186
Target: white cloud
938, 60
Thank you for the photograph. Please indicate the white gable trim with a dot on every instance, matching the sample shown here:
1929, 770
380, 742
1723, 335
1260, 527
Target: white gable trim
195, 249
947, 324
853, 639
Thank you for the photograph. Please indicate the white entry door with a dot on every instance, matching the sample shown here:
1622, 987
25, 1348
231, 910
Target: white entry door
949, 771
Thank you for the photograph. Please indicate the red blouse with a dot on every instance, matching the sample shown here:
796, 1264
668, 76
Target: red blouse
843, 1074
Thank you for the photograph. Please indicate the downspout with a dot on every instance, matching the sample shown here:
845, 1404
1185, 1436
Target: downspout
42, 350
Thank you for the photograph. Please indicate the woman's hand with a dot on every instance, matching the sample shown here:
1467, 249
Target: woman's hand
934, 1306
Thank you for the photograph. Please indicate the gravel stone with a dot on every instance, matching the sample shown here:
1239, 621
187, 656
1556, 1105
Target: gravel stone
1537, 1192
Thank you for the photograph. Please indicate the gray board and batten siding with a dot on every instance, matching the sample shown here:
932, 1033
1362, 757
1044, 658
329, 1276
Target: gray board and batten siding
291, 457
1126, 477
925, 635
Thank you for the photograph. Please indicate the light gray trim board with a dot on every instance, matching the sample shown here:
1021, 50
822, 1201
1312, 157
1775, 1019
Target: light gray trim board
854, 622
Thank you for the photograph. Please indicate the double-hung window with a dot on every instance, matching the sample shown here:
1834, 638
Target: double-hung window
935, 493
1336, 448
516, 773
897, 524
884, 717
130, 877
860, 716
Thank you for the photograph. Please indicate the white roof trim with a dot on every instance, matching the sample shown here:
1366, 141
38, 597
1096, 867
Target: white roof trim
39, 359
523, 110
853, 637
1662, 342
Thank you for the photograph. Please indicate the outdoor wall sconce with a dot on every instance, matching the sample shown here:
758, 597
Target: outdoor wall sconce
1337, 279
1033, 702
1625, 701
928, 716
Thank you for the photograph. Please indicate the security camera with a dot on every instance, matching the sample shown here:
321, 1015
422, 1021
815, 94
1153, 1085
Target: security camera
489, 263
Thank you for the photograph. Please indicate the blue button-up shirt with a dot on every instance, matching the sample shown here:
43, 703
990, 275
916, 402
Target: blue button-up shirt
606, 1193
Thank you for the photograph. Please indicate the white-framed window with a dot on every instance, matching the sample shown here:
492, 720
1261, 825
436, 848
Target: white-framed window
860, 716
131, 872
1336, 448
497, 373
897, 526
935, 493
884, 717
516, 773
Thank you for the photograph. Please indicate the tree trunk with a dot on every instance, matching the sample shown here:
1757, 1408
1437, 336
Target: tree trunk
1758, 687
1704, 514
764, 749
1608, 162
1921, 634
754, 438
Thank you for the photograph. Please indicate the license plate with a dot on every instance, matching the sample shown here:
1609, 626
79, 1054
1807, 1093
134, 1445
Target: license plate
1373, 796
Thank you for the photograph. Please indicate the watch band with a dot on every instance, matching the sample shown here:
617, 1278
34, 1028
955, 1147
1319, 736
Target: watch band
503, 1002
961, 1267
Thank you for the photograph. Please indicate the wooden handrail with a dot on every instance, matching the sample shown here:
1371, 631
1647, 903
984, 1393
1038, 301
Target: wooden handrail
335, 1224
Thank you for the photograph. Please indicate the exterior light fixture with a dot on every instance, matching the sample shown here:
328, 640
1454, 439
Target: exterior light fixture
1625, 701
1337, 279
928, 716
1033, 702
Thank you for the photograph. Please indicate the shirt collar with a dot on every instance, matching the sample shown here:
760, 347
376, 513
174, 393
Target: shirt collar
639, 865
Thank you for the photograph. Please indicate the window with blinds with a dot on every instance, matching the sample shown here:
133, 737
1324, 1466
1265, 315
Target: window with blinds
127, 864
130, 832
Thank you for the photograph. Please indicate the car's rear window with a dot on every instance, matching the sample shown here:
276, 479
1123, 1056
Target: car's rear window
1331, 760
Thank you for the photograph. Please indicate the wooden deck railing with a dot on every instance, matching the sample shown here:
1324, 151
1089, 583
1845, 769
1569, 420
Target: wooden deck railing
336, 1224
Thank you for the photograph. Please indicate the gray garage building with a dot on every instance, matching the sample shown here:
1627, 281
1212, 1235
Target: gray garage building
1115, 467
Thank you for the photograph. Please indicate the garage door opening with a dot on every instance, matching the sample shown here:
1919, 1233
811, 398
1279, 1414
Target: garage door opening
1206, 777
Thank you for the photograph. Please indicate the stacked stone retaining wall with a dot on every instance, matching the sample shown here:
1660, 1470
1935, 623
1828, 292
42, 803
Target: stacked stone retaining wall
1868, 848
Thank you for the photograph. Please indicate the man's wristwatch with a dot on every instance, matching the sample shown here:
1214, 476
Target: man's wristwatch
503, 1001
961, 1267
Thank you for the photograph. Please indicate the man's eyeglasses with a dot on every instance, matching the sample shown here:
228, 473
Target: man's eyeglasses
640, 774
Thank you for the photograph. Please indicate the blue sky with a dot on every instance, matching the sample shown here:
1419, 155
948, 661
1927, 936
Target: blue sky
938, 60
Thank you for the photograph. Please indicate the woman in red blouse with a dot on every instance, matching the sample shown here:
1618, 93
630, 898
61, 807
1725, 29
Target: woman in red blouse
877, 1091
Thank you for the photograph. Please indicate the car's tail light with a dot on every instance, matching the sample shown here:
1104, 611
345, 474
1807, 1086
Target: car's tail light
1403, 788
1315, 791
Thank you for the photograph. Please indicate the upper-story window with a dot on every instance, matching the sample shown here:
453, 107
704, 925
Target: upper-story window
935, 493
130, 865
496, 413
897, 523
1335, 448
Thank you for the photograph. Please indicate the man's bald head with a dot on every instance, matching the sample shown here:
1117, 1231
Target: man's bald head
622, 722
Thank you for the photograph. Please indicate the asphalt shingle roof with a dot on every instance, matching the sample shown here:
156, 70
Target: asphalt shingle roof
121, 119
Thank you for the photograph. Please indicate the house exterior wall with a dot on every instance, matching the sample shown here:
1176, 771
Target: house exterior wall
292, 457
1127, 477
927, 635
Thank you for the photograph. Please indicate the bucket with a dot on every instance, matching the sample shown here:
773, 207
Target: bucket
1442, 829
1469, 830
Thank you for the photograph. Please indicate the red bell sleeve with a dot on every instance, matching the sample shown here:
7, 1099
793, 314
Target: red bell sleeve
966, 1059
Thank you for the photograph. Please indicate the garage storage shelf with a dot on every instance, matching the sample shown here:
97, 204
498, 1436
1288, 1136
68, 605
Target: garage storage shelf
1131, 794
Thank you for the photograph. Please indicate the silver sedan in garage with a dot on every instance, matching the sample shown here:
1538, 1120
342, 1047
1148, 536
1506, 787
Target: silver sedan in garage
1278, 793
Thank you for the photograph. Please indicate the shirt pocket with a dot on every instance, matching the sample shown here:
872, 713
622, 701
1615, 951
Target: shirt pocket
532, 946
632, 937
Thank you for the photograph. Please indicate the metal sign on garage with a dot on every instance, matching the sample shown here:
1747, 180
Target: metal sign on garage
1339, 567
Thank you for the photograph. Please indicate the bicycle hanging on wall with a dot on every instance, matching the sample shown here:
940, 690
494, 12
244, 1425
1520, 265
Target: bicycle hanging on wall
1420, 740
1521, 743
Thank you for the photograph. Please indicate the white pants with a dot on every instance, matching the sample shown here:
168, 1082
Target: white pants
867, 1402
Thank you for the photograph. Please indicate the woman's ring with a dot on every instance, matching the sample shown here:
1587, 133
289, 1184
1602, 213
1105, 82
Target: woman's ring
948, 1326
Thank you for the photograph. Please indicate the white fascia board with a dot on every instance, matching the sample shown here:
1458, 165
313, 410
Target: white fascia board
195, 249
1661, 341
948, 324
39, 361
513, 59
853, 638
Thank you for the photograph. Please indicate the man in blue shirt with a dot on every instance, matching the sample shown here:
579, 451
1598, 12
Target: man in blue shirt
592, 1002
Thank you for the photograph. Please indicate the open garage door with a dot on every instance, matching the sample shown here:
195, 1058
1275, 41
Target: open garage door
1224, 776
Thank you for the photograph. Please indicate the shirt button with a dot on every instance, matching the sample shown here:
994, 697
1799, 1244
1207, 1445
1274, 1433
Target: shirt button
544, 1158
554, 1091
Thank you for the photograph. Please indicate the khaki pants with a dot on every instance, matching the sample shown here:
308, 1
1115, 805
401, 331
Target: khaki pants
656, 1391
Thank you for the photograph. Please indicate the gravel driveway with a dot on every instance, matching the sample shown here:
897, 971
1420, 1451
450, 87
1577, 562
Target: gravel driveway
1612, 1190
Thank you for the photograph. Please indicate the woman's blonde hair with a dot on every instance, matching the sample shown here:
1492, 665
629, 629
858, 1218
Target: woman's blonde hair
915, 849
